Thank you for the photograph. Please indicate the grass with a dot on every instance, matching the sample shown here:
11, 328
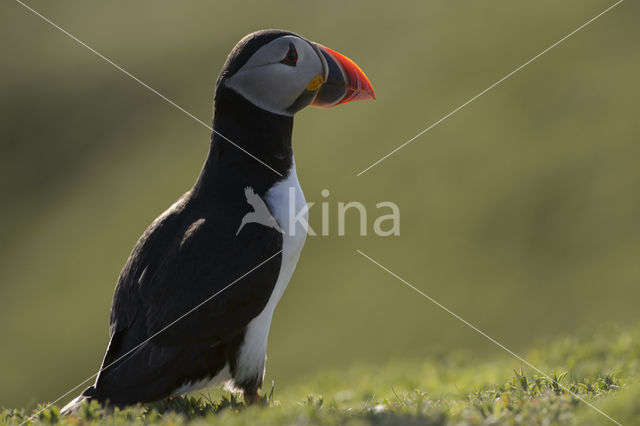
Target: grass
599, 366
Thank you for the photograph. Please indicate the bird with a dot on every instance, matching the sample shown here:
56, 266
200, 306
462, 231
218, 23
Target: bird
193, 304
260, 213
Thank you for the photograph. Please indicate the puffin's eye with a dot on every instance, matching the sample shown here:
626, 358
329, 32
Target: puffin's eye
292, 56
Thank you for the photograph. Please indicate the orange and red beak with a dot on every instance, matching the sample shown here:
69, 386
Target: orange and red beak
344, 82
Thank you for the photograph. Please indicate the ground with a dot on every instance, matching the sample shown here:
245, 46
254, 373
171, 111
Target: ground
462, 389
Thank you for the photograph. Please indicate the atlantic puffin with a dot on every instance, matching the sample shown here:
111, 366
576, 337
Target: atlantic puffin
164, 340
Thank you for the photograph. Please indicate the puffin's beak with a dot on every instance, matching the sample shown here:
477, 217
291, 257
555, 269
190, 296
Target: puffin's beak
345, 81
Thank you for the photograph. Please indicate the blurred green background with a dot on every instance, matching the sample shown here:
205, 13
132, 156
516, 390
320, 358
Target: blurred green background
520, 213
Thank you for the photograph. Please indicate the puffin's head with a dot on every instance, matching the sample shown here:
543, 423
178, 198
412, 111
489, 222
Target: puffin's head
281, 72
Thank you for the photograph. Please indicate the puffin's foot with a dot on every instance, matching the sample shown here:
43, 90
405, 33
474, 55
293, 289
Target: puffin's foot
251, 397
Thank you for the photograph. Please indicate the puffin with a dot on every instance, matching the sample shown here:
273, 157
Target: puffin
193, 304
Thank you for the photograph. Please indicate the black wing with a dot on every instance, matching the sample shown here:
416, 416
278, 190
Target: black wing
187, 255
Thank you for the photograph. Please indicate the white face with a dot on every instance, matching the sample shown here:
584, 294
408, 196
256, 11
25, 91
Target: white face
274, 79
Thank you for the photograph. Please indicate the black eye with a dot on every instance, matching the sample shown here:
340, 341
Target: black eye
292, 56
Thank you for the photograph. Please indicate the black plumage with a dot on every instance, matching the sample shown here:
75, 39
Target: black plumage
191, 252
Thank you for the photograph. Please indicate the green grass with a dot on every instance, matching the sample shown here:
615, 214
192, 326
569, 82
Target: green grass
459, 388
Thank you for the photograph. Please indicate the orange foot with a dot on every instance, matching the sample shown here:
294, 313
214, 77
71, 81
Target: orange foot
251, 398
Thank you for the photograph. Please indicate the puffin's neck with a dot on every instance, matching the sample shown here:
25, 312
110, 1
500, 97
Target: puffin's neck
264, 135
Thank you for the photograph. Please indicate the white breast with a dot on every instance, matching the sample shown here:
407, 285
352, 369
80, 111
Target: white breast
253, 351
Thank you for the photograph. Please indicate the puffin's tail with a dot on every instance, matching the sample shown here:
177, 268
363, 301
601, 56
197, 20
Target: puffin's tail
74, 406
